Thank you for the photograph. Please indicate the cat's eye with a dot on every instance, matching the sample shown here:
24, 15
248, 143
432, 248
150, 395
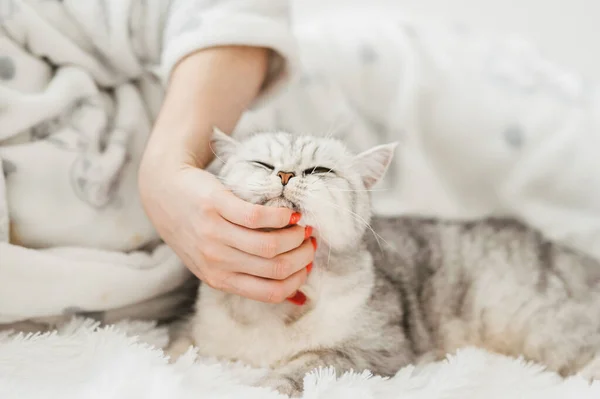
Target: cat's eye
263, 165
317, 170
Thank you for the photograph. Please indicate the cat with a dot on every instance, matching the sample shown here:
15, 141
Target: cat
387, 292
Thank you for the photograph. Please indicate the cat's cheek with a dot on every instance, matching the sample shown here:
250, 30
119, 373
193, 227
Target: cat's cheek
329, 226
311, 208
339, 239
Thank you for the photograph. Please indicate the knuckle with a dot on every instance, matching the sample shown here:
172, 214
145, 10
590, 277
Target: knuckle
211, 254
276, 294
281, 268
212, 282
204, 207
253, 216
222, 282
267, 248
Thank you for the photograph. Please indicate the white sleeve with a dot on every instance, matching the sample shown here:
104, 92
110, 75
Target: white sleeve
192, 25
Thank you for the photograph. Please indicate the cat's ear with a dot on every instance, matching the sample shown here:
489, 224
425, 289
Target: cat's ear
373, 163
222, 145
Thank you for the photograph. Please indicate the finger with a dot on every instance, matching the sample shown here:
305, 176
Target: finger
266, 244
261, 289
278, 268
249, 215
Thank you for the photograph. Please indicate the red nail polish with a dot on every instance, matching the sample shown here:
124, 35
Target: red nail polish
314, 242
295, 218
298, 298
307, 232
309, 268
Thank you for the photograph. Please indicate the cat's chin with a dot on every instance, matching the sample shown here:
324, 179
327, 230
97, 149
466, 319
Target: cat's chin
281, 202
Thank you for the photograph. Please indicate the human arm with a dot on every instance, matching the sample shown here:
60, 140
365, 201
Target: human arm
206, 225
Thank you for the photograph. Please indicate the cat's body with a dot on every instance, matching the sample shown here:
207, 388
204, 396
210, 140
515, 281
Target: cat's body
417, 290
494, 284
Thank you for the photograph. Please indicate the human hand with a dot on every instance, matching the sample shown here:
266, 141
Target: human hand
215, 234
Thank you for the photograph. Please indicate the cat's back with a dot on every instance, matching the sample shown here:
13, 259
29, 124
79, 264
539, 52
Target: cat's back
464, 283
416, 249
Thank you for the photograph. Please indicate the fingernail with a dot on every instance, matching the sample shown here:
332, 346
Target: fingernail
309, 268
295, 218
307, 232
314, 242
298, 298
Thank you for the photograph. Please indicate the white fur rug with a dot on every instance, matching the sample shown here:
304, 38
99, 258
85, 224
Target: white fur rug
83, 361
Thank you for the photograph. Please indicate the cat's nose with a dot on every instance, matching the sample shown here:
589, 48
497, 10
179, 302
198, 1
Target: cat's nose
285, 177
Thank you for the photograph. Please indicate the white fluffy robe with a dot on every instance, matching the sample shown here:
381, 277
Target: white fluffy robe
81, 361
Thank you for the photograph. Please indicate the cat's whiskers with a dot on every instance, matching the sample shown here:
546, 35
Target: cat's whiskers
248, 187
215, 154
357, 218
243, 189
341, 124
313, 216
356, 191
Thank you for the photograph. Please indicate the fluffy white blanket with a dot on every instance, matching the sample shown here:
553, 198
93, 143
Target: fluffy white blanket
81, 360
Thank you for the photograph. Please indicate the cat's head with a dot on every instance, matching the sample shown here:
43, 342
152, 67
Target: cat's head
318, 177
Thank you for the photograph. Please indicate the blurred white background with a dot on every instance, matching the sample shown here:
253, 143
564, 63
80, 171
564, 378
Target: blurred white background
566, 31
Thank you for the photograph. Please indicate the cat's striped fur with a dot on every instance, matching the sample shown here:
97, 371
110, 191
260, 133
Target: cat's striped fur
413, 291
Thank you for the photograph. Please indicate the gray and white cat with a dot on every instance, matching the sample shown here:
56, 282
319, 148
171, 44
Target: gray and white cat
415, 291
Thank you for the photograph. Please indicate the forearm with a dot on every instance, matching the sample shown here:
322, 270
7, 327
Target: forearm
209, 88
